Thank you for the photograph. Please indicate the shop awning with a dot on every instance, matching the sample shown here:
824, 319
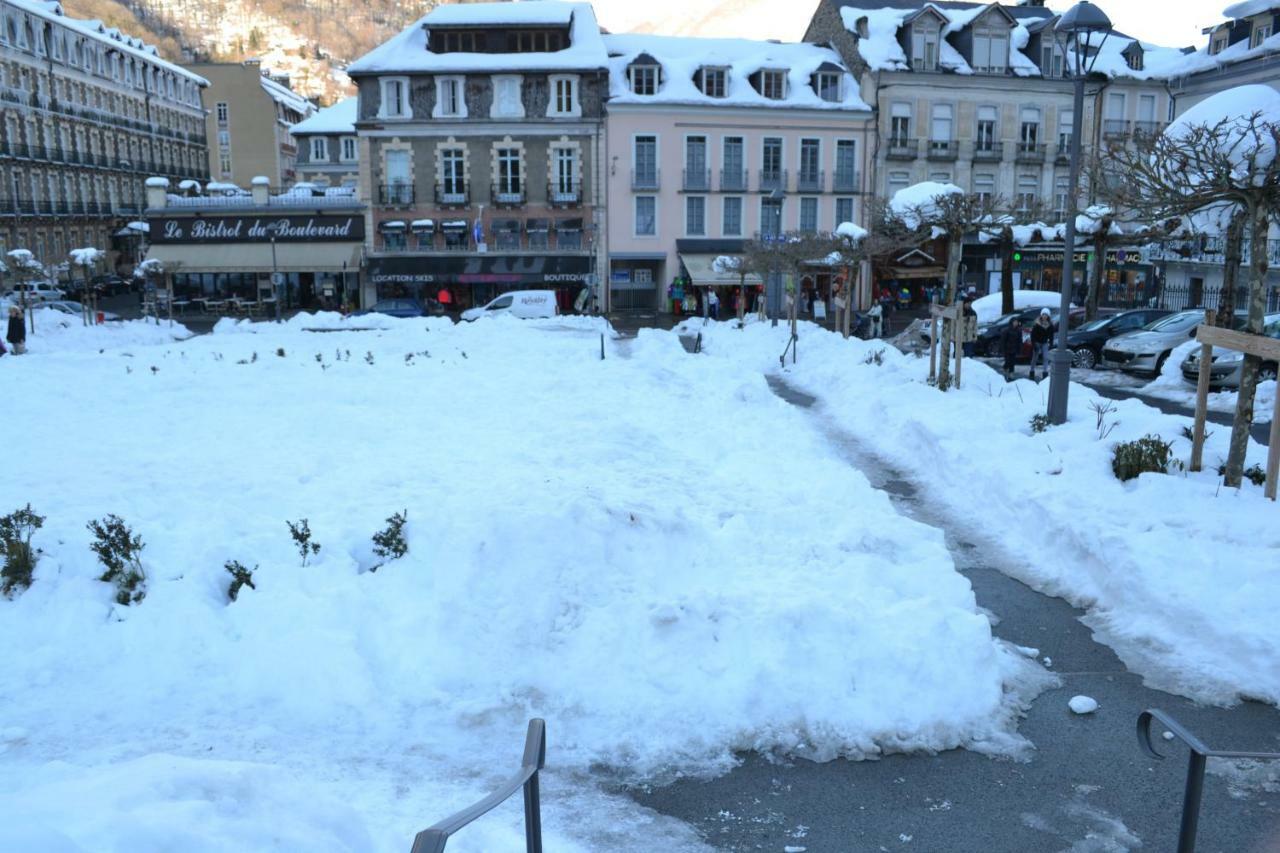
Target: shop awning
423, 225
454, 225
392, 225
702, 271
534, 225
256, 257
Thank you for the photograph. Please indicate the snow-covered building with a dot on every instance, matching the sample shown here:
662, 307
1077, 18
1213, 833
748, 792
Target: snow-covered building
86, 114
249, 123
1243, 49
974, 94
482, 139
712, 141
328, 150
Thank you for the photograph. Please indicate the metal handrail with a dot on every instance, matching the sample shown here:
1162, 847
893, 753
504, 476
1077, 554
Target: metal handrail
1195, 769
434, 838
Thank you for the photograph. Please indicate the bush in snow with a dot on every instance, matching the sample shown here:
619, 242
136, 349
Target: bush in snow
1254, 473
301, 533
16, 530
240, 577
280, 351
1147, 454
1040, 422
389, 544
119, 550
1100, 411
875, 357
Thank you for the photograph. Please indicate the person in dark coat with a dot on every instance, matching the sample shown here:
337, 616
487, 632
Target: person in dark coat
1011, 346
17, 336
1041, 340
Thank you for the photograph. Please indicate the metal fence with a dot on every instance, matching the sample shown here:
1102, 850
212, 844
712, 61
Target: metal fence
1175, 297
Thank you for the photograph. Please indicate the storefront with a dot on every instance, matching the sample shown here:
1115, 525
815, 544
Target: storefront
474, 279
1127, 281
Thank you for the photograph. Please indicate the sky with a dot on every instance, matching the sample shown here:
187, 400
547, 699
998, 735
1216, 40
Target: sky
1171, 23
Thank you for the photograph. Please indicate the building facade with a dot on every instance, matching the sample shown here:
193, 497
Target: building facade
1237, 52
328, 150
715, 141
481, 133
86, 114
249, 122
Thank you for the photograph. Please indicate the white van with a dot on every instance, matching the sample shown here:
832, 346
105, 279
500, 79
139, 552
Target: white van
36, 291
525, 304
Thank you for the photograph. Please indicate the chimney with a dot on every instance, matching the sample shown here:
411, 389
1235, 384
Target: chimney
157, 192
261, 186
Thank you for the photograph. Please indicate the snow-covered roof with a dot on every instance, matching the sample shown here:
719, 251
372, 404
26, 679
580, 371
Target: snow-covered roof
407, 51
680, 57
285, 96
1249, 8
1202, 60
339, 118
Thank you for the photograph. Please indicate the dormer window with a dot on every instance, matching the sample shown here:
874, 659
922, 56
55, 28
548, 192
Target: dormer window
1218, 44
1051, 62
714, 82
1133, 57
644, 79
773, 84
924, 48
990, 53
827, 85
1261, 32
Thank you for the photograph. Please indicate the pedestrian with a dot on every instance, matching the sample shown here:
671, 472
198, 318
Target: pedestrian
1041, 339
17, 336
1011, 346
969, 327
877, 321
713, 300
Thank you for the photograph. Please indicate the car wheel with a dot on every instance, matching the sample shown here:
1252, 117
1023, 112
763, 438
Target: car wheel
1164, 356
1084, 357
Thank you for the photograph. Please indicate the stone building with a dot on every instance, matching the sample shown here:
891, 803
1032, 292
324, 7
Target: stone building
86, 114
1241, 50
481, 131
248, 123
328, 150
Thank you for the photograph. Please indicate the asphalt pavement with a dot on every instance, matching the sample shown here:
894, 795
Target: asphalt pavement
1086, 787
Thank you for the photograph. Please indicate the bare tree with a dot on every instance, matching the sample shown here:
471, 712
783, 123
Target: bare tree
1194, 166
881, 233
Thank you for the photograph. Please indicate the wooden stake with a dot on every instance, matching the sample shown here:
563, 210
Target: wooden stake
933, 350
1202, 400
959, 350
1273, 452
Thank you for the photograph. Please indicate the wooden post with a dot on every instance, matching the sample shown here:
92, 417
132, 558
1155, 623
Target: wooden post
1202, 400
1273, 452
955, 324
933, 349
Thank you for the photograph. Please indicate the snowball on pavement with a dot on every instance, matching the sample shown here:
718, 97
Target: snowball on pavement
1083, 704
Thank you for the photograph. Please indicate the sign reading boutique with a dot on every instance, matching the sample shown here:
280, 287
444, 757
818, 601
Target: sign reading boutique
255, 229
482, 269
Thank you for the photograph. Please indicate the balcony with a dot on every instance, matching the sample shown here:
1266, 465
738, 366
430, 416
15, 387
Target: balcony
733, 180
810, 181
696, 180
509, 196
903, 149
1115, 128
988, 151
396, 195
773, 179
567, 194
943, 149
846, 181
1029, 152
1147, 128
457, 194
645, 179
1062, 155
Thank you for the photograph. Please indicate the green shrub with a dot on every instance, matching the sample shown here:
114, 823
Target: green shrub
119, 551
240, 577
390, 544
1147, 454
301, 533
16, 530
1040, 422
1254, 473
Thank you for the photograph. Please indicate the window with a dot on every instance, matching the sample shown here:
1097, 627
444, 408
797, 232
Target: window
224, 163
696, 174
990, 53
714, 82
770, 216
810, 157
695, 215
940, 177
1060, 186
222, 111
1066, 120
898, 181
773, 84
644, 164
808, 214
1218, 44
1115, 105
1029, 134
565, 176
644, 79
846, 165
1261, 33
349, 150
732, 225
828, 86
224, 138
646, 216
399, 177
1134, 57
986, 139
900, 127
564, 96
844, 210
771, 159
984, 187
453, 170
395, 98
734, 176
1028, 189
940, 125
319, 149
510, 179
924, 48
450, 101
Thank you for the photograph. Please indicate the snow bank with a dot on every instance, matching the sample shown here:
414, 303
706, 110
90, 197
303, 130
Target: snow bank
56, 332
1170, 385
1177, 574
663, 597
991, 307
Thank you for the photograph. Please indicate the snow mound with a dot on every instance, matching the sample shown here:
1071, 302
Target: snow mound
990, 307
1082, 704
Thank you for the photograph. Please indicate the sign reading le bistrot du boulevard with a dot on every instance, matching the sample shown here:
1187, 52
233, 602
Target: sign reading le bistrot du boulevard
256, 229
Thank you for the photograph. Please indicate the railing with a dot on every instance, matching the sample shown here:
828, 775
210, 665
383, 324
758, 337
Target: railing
733, 180
645, 180
1029, 152
989, 150
459, 196
564, 195
434, 838
396, 194
810, 182
697, 180
846, 182
903, 149
1195, 769
1147, 128
943, 149
510, 197
773, 179
1114, 128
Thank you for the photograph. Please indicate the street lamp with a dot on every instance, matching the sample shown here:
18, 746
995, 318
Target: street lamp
1076, 35
775, 274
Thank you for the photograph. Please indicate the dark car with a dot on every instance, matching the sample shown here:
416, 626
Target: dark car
990, 335
1086, 342
109, 285
398, 307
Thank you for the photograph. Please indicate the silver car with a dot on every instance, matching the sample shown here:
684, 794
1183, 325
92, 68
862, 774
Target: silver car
1145, 350
1224, 371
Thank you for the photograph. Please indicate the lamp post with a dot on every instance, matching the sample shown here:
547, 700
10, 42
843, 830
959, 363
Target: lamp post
276, 278
1075, 35
775, 274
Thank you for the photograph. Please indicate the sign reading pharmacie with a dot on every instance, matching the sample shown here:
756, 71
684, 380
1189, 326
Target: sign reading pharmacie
255, 229
481, 269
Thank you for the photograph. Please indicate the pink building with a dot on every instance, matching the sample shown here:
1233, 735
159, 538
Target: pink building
711, 142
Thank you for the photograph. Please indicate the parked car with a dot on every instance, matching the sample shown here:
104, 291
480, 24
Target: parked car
990, 335
35, 291
1224, 370
66, 306
525, 304
110, 285
1087, 341
398, 307
1145, 350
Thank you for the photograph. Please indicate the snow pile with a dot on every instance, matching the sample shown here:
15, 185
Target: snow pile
56, 333
1082, 704
917, 204
1177, 573
1248, 8
990, 307
1170, 385
339, 118
1245, 147
87, 257
851, 231
1090, 221
662, 599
